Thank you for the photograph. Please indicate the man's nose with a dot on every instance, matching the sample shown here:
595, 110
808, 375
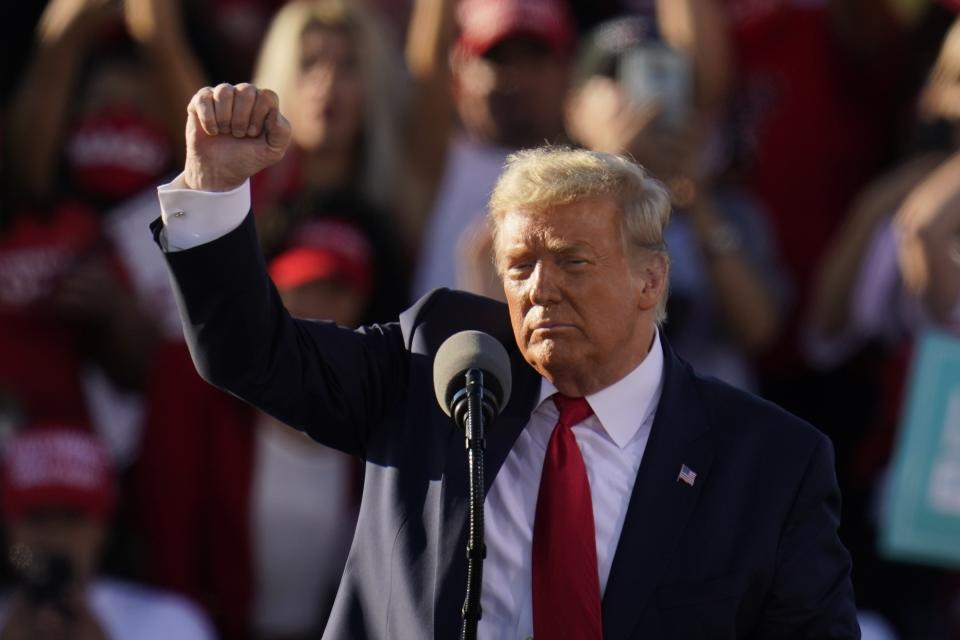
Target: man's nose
544, 289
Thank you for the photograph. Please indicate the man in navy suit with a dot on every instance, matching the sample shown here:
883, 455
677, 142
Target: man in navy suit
627, 497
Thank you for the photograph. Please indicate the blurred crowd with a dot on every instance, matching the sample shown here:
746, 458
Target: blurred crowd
810, 148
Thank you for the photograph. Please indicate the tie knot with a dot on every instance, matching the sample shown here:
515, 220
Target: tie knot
572, 410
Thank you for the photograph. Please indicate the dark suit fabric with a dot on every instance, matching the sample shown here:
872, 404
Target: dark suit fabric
749, 551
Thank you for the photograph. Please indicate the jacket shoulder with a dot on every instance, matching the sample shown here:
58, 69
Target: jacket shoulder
443, 312
744, 416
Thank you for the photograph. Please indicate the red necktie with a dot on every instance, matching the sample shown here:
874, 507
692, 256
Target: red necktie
566, 582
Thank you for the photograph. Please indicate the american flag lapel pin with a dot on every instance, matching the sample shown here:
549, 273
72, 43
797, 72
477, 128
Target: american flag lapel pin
687, 475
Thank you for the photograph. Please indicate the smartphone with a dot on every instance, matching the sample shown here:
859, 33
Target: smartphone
656, 73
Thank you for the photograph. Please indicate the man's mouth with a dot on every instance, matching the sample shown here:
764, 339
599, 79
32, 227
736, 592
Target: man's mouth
548, 326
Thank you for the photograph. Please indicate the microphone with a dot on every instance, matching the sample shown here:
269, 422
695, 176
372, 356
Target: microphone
471, 377
460, 353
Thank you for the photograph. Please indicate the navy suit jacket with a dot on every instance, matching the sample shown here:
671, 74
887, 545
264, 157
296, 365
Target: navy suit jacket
749, 551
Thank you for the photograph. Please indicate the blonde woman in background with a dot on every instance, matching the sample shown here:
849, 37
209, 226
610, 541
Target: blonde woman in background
362, 122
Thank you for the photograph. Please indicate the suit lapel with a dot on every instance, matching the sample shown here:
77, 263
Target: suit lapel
660, 505
451, 565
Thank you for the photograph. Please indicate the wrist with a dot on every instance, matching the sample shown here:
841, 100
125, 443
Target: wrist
201, 178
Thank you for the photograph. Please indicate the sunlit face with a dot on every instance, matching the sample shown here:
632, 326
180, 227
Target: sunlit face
581, 308
328, 110
513, 95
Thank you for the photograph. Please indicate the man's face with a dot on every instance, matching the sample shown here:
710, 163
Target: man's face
513, 94
581, 308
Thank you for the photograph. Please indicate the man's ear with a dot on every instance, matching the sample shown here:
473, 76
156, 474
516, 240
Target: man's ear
652, 278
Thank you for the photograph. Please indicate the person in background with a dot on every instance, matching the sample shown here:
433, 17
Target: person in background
634, 93
94, 120
928, 244
334, 60
891, 273
362, 121
104, 97
63, 306
256, 520
690, 27
813, 116
895, 249
58, 492
510, 68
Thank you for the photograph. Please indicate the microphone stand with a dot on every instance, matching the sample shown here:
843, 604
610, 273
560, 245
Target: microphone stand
476, 548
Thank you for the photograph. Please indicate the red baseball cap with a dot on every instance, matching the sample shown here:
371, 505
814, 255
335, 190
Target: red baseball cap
57, 467
485, 23
323, 249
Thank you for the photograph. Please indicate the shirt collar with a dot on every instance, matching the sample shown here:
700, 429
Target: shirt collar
625, 405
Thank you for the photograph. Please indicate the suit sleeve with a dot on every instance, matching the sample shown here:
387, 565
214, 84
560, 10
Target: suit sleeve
812, 596
333, 383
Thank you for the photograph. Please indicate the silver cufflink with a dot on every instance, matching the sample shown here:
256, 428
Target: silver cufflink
178, 214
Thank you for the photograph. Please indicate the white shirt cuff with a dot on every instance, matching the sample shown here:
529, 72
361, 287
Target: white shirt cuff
191, 217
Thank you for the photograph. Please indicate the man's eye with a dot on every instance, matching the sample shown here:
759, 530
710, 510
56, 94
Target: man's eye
520, 268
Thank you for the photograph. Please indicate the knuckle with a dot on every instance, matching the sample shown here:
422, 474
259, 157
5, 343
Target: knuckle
246, 97
200, 96
261, 109
270, 95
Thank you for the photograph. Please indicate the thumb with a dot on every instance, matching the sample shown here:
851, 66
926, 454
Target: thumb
194, 132
193, 126
278, 131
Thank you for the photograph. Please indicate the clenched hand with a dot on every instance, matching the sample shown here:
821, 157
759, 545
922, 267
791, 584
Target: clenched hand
233, 131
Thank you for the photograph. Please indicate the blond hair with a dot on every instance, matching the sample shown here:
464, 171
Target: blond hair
537, 179
386, 90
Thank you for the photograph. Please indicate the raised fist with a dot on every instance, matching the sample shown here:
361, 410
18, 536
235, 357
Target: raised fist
232, 133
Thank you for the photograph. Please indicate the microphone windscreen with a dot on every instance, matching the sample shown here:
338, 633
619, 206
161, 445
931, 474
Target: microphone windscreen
470, 350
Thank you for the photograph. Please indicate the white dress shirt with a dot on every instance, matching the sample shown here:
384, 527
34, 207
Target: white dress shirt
612, 440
